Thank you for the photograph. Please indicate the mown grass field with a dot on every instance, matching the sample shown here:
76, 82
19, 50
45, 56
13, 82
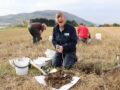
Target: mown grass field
95, 60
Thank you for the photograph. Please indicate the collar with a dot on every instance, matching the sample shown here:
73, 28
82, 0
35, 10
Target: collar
59, 29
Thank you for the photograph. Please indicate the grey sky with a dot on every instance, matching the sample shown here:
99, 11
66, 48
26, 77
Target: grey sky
96, 11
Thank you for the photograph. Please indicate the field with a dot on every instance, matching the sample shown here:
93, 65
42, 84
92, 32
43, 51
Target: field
95, 64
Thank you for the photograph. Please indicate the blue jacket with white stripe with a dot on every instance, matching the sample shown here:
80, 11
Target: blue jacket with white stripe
67, 38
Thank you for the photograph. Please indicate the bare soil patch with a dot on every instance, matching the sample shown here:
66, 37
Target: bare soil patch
58, 79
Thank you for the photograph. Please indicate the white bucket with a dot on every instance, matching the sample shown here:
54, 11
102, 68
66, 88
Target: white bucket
98, 36
50, 38
21, 67
21, 71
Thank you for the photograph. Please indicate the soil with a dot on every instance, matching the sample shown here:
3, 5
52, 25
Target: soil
58, 79
91, 68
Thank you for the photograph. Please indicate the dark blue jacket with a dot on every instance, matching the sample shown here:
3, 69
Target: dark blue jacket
67, 38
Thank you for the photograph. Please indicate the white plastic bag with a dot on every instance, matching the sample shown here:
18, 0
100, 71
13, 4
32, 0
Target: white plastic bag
50, 53
41, 61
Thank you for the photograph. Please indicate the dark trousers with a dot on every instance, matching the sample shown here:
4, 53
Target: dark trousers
67, 60
35, 33
84, 40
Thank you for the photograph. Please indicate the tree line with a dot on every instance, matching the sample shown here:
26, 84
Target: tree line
110, 25
51, 22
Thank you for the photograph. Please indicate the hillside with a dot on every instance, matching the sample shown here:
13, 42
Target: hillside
49, 14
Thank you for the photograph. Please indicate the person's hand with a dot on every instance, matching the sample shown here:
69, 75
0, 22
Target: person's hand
40, 38
60, 49
41, 32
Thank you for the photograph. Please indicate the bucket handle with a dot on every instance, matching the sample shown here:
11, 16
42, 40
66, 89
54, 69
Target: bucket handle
19, 66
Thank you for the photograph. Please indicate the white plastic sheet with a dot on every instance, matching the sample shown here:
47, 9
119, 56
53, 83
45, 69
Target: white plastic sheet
41, 80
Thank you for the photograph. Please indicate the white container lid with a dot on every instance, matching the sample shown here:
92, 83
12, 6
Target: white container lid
21, 62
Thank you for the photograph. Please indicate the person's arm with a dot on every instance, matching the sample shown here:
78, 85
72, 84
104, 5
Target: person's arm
73, 42
54, 38
89, 35
41, 32
78, 33
77, 30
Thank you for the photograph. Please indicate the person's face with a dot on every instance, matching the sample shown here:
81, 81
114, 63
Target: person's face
61, 20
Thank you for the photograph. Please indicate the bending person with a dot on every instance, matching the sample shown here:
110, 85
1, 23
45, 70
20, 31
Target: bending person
36, 30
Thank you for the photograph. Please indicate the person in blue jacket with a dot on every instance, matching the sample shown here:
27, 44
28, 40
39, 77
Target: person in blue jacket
64, 41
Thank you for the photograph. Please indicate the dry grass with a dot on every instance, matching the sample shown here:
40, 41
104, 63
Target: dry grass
93, 59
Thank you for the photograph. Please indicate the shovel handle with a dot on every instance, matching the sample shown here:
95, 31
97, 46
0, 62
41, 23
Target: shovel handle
39, 68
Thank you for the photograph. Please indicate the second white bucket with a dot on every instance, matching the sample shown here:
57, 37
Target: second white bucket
98, 36
50, 38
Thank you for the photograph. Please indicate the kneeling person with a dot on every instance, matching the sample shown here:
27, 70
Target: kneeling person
64, 41
83, 33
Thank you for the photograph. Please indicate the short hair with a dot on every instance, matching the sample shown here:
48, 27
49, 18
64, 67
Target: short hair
44, 25
59, 14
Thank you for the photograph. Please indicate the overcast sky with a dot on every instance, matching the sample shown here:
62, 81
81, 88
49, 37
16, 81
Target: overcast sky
96, 11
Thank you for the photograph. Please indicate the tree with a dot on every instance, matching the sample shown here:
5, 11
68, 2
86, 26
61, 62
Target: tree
51, 22
104, 25
73, 22
91, 25
43, 20
115, 25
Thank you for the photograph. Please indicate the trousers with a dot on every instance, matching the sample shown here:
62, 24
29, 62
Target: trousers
65, 59
35, 33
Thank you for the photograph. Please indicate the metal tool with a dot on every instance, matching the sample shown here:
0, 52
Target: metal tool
44, 73
117, 61
57, 46
118, 58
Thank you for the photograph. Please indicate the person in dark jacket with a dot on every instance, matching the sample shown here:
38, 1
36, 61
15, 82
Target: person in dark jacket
64, 41
36, 30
